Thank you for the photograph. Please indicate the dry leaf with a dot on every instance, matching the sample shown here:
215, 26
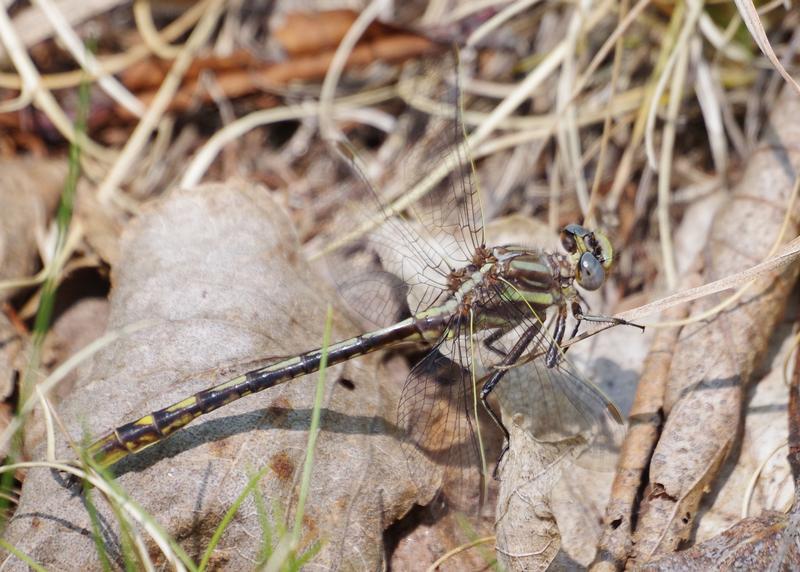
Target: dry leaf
714, 360
218, 269
751, 544
29, 192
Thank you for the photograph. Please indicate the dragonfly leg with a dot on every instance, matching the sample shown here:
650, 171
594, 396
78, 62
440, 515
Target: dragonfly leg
492, 338
577, 311
512, 356
553, 352
485, 391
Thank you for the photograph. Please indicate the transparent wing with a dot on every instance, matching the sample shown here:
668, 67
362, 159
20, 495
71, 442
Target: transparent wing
566, 409
452, 208
556, 404
420, 238
437, 411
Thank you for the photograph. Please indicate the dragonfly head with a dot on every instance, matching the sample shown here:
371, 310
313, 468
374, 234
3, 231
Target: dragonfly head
591, 253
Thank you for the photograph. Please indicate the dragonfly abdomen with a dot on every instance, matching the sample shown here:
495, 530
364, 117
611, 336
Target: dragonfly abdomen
156, 426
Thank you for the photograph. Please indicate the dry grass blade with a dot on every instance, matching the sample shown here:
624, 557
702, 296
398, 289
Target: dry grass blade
753, 22
34, 92
87, 61
138, 139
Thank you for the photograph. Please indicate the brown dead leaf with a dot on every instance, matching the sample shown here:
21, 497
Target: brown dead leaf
751, 544
308, 32
715, 359
75, 329
218, 269
528, 536
29, 192
239, 81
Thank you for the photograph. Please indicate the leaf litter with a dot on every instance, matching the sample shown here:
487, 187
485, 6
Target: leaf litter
203, 339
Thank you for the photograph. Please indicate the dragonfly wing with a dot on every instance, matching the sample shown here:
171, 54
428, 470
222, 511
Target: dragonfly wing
421, 236
377, 296
387, 244
556, 405
451, 211
437, 411
567, 409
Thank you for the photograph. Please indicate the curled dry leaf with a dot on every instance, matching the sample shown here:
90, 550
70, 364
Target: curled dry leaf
715, 359
218, 269
242, 75
645, 424
308, 32
292, 31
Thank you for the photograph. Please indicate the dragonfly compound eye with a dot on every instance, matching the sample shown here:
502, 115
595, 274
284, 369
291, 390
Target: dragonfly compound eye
591, 274
568, 241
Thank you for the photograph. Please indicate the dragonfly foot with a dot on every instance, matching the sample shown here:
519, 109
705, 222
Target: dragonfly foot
496, 471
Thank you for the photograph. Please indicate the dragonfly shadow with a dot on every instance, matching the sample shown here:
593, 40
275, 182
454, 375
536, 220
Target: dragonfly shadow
64, 527
266, 421
709, 385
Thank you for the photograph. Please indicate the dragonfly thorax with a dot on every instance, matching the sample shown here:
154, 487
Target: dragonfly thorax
541, 279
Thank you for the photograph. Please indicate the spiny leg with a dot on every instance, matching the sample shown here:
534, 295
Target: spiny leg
577, 312
554, 351
512, 356
492, 338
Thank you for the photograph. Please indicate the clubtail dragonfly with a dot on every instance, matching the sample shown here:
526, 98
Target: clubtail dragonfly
478, 310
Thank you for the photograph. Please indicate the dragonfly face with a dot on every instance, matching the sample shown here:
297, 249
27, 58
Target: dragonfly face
591, 254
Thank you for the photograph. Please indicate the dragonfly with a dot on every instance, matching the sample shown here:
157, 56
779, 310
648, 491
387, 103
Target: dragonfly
475, 310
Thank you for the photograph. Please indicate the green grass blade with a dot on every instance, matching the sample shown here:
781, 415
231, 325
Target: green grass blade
265, 550
306, 557
228, 517
22, 556
305, 481
97, 536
